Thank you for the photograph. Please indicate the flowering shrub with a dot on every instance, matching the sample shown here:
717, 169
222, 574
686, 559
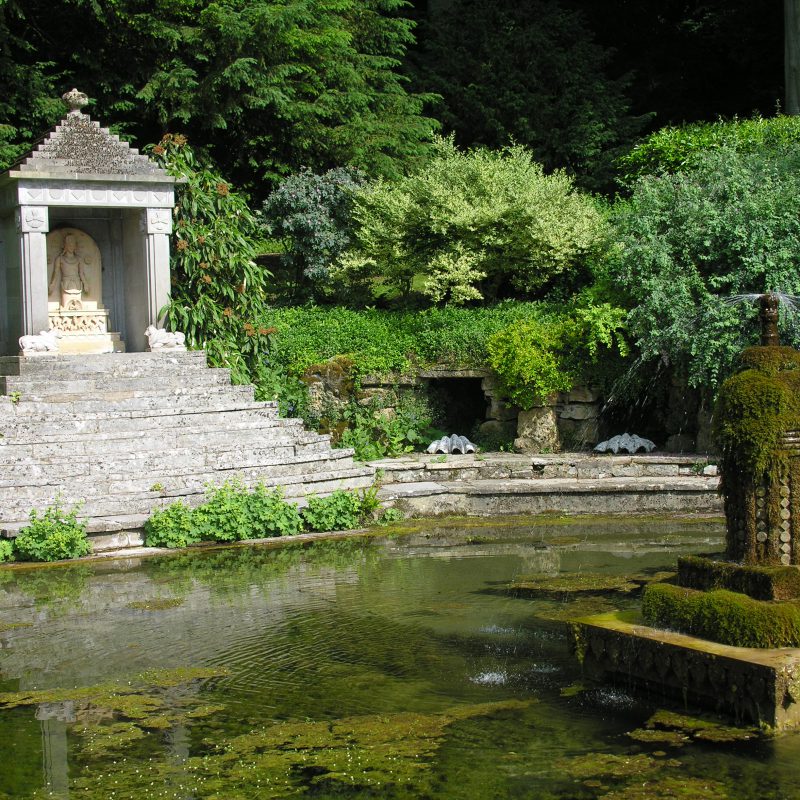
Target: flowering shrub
217, 288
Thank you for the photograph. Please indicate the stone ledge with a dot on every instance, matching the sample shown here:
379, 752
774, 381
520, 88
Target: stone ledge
561, 495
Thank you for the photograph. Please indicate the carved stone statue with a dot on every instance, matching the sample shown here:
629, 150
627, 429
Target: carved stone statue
44, 342
68, 276
161, 339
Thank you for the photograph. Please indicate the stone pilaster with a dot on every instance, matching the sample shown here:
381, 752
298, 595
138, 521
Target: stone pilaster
157, 226
32, 226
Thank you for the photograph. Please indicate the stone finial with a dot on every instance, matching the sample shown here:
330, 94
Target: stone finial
75, 100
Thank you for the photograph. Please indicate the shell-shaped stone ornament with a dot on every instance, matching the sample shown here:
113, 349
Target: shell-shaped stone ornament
452, 445
625, 442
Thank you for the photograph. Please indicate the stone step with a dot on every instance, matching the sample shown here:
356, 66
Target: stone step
28, 386
555, 496
110, 398
422, 467
44, 428
46, 412
139, 400
111, 364
39, 481
322, 482
41, 491
165, 451
147, 439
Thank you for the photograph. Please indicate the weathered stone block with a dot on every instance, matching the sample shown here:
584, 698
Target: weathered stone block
660, 470
537, 431
627, 471
583, 394
579, 411
559, 470
498, 409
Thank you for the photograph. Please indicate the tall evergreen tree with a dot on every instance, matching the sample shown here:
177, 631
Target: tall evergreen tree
268, 85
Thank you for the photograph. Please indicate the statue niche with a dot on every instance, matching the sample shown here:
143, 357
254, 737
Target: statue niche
74, 301
76, 256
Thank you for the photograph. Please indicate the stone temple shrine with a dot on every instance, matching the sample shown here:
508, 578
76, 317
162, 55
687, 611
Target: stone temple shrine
85, 221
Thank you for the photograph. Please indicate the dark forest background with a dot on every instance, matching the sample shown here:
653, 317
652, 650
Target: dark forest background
268, 87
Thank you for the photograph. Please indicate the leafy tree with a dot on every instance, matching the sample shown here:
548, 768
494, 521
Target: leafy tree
270, 85
473, 225
529, 73
691, 241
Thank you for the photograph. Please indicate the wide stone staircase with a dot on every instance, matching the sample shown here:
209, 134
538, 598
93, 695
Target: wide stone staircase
127, 433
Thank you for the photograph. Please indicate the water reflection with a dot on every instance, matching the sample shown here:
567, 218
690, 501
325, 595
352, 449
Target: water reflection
339, 656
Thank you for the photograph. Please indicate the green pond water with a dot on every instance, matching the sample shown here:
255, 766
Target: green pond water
397, 666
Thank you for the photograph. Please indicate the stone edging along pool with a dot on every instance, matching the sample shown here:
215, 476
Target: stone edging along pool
504, 484
564, 483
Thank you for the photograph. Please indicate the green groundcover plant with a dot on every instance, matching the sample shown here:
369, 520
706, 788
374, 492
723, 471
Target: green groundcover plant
6, 550
53, 535
232, 512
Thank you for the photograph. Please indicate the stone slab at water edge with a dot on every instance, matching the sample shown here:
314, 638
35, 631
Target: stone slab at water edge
127, 433
760, 686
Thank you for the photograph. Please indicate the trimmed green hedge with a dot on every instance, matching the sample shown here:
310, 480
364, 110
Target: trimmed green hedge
722, 616
382, 342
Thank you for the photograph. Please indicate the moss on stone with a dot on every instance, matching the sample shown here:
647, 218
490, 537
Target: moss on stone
670, 788
571, 584
756, 407
754, 410
651, 736
607, 765
701, 728
770, 360
760, 583
156, 603
582, 606
722, 616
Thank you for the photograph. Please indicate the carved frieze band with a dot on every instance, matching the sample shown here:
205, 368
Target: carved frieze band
33, 219
85, 322
97, 195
